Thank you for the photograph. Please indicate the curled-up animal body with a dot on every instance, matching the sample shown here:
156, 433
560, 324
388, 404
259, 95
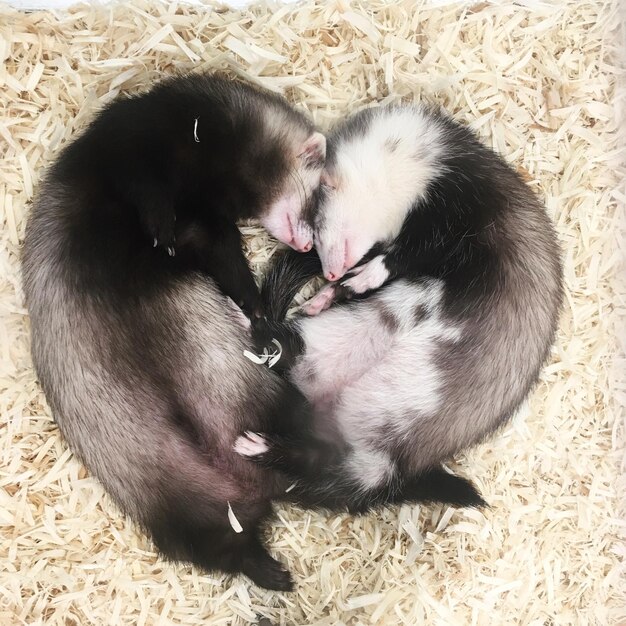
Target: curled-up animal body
443, 307
165, 175
130, 256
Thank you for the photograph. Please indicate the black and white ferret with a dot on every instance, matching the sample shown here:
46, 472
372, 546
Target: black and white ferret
131, 252
445, 301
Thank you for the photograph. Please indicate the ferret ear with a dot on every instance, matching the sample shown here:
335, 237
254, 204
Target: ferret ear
313, 150
327, 180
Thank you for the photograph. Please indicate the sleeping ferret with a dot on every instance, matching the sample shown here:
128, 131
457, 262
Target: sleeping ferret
443, 307
131, 252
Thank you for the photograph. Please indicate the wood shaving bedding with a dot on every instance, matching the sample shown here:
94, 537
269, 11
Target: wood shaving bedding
541, 82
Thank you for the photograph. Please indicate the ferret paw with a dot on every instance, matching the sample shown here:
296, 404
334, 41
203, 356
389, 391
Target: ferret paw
160, 227
164, 239
274, 576
320, 301
251, 444
366, 277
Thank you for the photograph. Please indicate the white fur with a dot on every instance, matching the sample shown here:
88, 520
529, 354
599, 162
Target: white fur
341, 345
376, 180
283, 220
371, 275
370, 468
376, 379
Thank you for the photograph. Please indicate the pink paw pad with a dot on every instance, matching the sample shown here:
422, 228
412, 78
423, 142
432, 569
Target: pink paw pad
250, 444
319, 302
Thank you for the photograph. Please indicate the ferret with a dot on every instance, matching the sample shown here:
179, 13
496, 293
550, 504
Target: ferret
178, 166
132, 265
445, 298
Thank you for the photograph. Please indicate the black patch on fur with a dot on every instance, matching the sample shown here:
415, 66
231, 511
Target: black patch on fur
309, 210
388, 319
290, 271
420, 314
356, 125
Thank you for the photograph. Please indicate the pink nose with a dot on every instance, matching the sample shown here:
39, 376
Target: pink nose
331, 276
300, 247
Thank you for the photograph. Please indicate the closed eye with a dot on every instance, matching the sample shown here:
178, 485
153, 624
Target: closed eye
290, 227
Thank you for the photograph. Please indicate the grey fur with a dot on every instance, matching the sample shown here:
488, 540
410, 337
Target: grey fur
113, 375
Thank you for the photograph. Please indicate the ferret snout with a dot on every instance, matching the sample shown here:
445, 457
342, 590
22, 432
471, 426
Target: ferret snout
283, 222
334, 260
300, 247
301, 242
301, 236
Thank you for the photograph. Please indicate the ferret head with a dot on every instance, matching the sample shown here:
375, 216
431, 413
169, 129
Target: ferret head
378, 164
288, 217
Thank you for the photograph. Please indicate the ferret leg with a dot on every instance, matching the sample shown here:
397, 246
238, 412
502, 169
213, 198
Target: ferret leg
156, 213
215, 545
263, 569
219, 253
367, 277
436, 485
320, 301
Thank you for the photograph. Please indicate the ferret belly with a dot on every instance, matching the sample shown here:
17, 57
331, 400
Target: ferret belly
372, 367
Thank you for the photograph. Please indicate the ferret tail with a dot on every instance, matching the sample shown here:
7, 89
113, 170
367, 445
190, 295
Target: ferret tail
434, 485
288, 274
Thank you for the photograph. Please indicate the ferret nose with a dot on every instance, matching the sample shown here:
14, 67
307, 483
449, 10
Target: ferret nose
301, 245
331, 276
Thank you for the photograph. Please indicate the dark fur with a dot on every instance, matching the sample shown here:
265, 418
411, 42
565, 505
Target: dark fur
146, 179
139, 354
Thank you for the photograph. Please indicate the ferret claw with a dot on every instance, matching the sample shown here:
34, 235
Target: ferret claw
171, 251
266, 358
155, 243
